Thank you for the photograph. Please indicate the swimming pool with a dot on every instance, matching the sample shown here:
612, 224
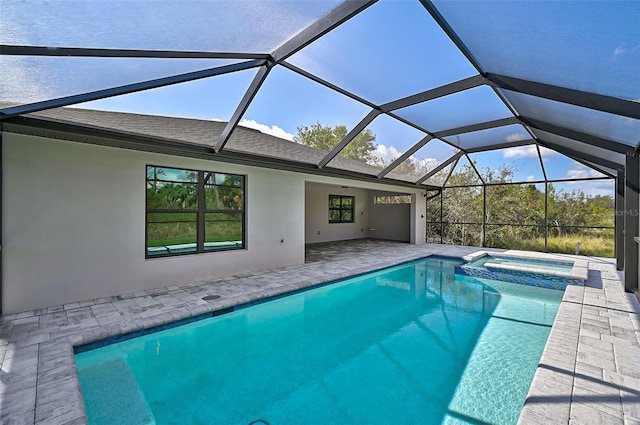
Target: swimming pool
411, 344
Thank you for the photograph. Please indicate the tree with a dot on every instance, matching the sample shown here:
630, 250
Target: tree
515, 214
462, 207
323, 137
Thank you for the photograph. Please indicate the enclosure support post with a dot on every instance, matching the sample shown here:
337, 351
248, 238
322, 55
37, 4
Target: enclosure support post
632, 181
441, 224
483, 242
1, 218
619, 220
546, 216
200, 228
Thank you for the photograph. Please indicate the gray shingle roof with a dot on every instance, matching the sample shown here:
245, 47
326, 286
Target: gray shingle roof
203, 133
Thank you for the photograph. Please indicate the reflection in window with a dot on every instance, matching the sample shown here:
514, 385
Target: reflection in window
190, 211
341, 208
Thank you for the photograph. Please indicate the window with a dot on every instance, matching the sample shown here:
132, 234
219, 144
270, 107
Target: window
191, 211
393, 199
341, 209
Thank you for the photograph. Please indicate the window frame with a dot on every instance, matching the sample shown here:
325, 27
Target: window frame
201, 210
341, 208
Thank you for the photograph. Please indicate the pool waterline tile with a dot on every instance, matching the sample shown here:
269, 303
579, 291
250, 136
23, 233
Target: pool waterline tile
329, 261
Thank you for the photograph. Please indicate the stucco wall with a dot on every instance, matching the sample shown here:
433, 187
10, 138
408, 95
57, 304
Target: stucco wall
74, 214
399, 222
390, 221
317, 226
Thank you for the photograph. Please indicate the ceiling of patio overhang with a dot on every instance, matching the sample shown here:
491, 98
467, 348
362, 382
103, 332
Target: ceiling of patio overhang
439, 83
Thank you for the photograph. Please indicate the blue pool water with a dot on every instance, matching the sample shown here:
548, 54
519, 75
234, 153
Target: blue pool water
413, 344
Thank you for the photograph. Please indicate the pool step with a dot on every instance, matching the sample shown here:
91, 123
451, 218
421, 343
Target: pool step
112, 396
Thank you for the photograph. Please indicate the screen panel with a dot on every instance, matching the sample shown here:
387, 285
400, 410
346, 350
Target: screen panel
388, 51
490, 137
518, 164
583, 45
467, 107
29, 79
293, 107
193, 99
257, 26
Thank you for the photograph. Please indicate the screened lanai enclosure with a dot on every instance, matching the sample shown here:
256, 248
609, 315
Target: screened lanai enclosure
518, 120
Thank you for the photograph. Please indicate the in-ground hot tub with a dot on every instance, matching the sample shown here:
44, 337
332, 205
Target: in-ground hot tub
542, 270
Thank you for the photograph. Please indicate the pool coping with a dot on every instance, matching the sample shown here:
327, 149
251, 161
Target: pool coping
39, 378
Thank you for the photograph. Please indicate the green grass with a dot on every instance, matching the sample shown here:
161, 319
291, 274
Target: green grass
183, 232
589, 245
167, 242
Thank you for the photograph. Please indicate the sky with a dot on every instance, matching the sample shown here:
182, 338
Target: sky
370, 55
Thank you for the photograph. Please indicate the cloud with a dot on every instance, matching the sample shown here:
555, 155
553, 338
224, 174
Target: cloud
273, 130
528, 151
531, 178
591, 188
429, 163
582, 172
387, 153
516, 137
622, 49
594, 187
619, 50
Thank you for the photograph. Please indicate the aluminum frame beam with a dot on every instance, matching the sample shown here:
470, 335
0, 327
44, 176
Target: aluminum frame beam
331, 20
405, 155
327, 84
579, 156
128, 88
619, 220
598, 102
242, 107
425, 96
475, 169
437, 16
450, 173
349, 137
601, 169
516, 183
15, 50
542, 167
1, 214
477, 127
577, 135
505, 145
631, 206
440, 167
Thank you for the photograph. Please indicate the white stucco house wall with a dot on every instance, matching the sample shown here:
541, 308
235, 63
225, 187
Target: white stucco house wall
73, 196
